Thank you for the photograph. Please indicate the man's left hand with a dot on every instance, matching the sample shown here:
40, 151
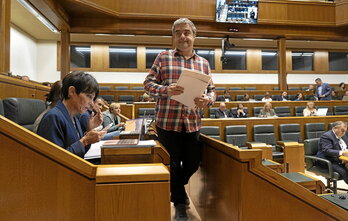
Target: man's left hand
95, 120
202, 101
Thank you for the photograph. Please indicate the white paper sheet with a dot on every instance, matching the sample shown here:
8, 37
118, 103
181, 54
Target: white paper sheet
194, 84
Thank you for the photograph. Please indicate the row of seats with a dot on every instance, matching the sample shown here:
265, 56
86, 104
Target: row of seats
237, 134
129, 99
254, 88
120, 88
22, 111
284, 111
258, 97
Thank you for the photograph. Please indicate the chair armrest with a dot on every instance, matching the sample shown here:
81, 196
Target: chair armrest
327, 162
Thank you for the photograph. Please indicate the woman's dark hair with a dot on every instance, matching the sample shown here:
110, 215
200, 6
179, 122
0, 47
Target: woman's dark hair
83, 83
342, 83
55, 93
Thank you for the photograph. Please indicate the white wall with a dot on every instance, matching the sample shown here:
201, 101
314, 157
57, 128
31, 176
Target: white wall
309, 78
47, 61
23, 54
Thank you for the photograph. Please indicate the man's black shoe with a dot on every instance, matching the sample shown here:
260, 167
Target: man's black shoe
180, 212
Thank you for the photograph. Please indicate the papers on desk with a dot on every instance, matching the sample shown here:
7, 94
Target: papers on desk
194, 84
95, 150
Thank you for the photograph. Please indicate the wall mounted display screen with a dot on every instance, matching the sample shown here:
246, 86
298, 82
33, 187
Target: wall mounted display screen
237, 11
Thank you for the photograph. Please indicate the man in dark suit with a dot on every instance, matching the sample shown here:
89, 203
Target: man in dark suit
332, 145
222, 112
322, 91
283, 97
226, 97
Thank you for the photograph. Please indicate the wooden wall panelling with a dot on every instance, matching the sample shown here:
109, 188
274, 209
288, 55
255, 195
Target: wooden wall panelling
141, 58
218, 63
5, 20
341, 12
99, 57
321, 62
254, 63
282, 80
64, 53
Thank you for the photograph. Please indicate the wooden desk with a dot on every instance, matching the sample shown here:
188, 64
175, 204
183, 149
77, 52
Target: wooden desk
279, 168
313, 184
344, 158
156, 154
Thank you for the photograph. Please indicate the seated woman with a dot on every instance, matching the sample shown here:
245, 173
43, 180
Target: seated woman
51, 100
113, 117
310, 110
267, 97
267, 111
299, 97
240, 112
61, 126
246, 97
345, 96
334, 96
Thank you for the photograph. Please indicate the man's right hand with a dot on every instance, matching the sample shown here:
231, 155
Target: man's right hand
345, 153
174, 89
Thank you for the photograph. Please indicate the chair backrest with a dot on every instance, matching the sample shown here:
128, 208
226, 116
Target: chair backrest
275, 97
310, 149
304, 88
258, 97
138, 88
239, 97
108, 98
250, 88
282, 111
220, 97
211, 131
264, 134
236, 135
212, 111
104, 88
257, 111
309, 97
290, 132
23, 111
314, 130
331, 125
299, 110
341, 110
235, 88
294, 88
2, 108
275, 88
121, 88
146, 112
129, 99
220, 88
292, 97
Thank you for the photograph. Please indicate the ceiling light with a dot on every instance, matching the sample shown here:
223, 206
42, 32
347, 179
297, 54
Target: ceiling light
33, 11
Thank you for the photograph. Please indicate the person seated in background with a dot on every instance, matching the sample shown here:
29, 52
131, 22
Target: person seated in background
25, 78
112, 116
322, 91
240, 112
334, 95
345, 96
342, 86
102, 104
310, 88
226, 97
246, 97
299, 97
61, 126
146, 98
51, 100
267, 111
267, 97
310, 110
332, 145
222, 112
283, 97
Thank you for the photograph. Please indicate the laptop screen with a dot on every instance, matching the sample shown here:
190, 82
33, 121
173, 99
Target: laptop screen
322, 111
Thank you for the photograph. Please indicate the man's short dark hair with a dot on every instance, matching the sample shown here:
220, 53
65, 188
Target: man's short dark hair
318, 79
83, 83
338, 124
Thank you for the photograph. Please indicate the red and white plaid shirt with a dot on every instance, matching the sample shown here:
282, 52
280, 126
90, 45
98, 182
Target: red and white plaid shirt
170, 114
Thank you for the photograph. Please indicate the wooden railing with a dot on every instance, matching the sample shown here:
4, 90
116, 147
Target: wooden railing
41, 181
232, 184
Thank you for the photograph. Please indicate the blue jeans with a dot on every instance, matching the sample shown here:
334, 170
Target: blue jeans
109, 136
